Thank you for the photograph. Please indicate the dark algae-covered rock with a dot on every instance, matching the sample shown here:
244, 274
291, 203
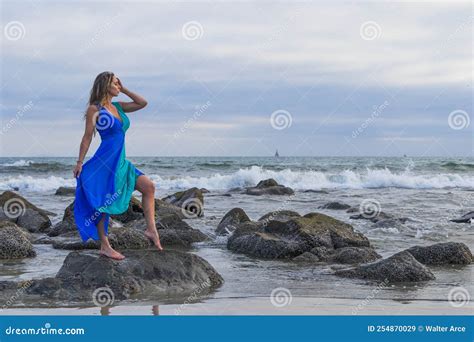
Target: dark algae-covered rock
400, 267
150, 273
447, 253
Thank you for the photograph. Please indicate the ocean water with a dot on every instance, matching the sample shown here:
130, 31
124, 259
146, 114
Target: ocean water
428, 191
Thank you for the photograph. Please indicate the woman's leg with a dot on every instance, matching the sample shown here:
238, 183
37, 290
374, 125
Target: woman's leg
147, 188
105, 247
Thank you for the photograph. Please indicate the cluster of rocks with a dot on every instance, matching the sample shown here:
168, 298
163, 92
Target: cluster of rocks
145, 271
315, 238
286, 234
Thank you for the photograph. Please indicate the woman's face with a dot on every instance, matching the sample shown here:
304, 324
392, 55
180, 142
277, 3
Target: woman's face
114, 88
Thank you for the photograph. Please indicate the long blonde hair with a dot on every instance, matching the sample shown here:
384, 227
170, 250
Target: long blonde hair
100, 90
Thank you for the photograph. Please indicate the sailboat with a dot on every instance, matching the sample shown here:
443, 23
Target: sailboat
276, 154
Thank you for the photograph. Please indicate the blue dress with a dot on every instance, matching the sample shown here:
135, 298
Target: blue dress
107, 179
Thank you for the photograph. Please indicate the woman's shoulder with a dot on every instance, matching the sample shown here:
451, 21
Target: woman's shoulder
93, 108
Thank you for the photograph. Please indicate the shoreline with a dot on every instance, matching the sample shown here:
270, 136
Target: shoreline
249, 306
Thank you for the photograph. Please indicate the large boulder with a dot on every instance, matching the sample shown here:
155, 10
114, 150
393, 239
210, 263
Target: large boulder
17, 209
191, 202
14, 242
400, 267
268, 187
287, 239
231, 220
149, 274
447, 253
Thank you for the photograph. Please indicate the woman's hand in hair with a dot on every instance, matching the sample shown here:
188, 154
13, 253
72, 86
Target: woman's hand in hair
122, 88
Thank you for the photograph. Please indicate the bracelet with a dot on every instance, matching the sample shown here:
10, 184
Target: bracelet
80, 161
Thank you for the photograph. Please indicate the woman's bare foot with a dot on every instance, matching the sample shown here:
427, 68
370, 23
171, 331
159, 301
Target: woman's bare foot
153, 236
111, 253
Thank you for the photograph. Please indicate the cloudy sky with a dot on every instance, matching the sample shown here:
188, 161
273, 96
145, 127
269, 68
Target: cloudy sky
243, 78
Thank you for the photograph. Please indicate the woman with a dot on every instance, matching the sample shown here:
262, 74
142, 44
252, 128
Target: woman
106, 181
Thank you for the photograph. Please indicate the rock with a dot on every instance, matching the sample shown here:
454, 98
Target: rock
466, 218
317, 191
287, 239
279, 215
133, 212
173, 231
119, 237
190, 201
142, 274
400, 267
335, 206
66, 191
342, 234
74, 244
354, 255
67, 224
346, 255
19, 210
231, 220
323, 253
448, 253
306, 257
373, 216
268, 187
163, 208
204, 191
14, 242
